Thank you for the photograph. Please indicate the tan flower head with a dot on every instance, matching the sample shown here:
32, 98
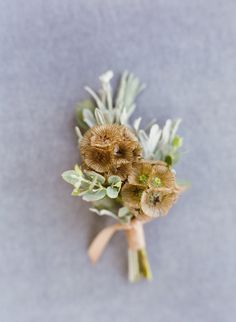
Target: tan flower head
152, 174
155, 203
97, 159
122, 170
151, 189
110, 149
141, 173
131, 195
123, 151
161, 177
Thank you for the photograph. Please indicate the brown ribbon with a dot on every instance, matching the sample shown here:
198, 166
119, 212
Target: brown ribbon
134, 234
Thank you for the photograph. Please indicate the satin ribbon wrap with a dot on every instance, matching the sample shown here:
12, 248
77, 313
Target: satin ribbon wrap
134, 233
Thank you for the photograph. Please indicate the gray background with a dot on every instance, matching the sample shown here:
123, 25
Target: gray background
186, 52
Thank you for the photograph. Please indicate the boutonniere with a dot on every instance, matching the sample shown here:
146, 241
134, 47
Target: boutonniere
126, 172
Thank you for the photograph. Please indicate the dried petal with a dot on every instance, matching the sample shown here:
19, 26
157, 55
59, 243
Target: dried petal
131, 195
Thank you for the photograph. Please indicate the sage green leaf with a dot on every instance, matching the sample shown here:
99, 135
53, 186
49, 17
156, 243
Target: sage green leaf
75, 192
98, 176
175, 126
78, 170
99, 117
104, 212
112, 180
129, 88
106, 203
125, 220
88, 105
94, 195
136, 124
78, 133
123, 211
88, 117
112, 192
71, 177
96, 98
93, 183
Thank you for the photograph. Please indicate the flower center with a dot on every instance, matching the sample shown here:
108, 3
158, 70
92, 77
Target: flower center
156, 182
120, 151
154, 198
143, 178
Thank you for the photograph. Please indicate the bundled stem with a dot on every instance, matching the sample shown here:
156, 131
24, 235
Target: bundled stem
138, 264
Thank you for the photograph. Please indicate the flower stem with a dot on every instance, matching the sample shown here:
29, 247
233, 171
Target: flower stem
138, 264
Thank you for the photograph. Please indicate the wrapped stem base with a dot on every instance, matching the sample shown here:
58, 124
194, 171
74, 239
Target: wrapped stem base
138, 264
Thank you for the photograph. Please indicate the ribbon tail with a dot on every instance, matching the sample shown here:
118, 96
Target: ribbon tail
100, 241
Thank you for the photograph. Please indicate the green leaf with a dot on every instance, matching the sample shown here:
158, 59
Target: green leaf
103, 212
78, 170
93, 174
125, 220
123, 211
71, 177
177, 142
88, 118
75, 192
113, 180
99, 117
106, 203
94, 195
88, 105
112, 192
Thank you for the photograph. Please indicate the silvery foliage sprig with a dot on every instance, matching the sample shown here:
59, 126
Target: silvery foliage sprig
160, 144
105, 109
93, 187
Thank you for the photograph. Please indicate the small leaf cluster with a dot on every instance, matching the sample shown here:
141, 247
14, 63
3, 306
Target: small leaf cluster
92, 186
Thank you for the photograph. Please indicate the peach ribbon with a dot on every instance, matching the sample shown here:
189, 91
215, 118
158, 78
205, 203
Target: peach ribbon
134, 234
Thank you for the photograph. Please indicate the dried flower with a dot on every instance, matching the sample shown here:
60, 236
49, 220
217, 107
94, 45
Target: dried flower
121, 170
110, 148
131, 195
98, 159
151, 189
155, 203
141, 173
162, 177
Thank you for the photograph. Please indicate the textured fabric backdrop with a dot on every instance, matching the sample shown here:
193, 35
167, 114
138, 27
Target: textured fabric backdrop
186, 52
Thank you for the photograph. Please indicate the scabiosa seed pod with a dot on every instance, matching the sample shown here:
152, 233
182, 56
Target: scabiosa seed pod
151, 188
110, 149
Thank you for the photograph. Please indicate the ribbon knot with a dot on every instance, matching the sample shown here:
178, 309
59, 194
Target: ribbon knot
134, 234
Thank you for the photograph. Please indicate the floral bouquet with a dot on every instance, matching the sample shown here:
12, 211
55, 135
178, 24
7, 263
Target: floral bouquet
126, 171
